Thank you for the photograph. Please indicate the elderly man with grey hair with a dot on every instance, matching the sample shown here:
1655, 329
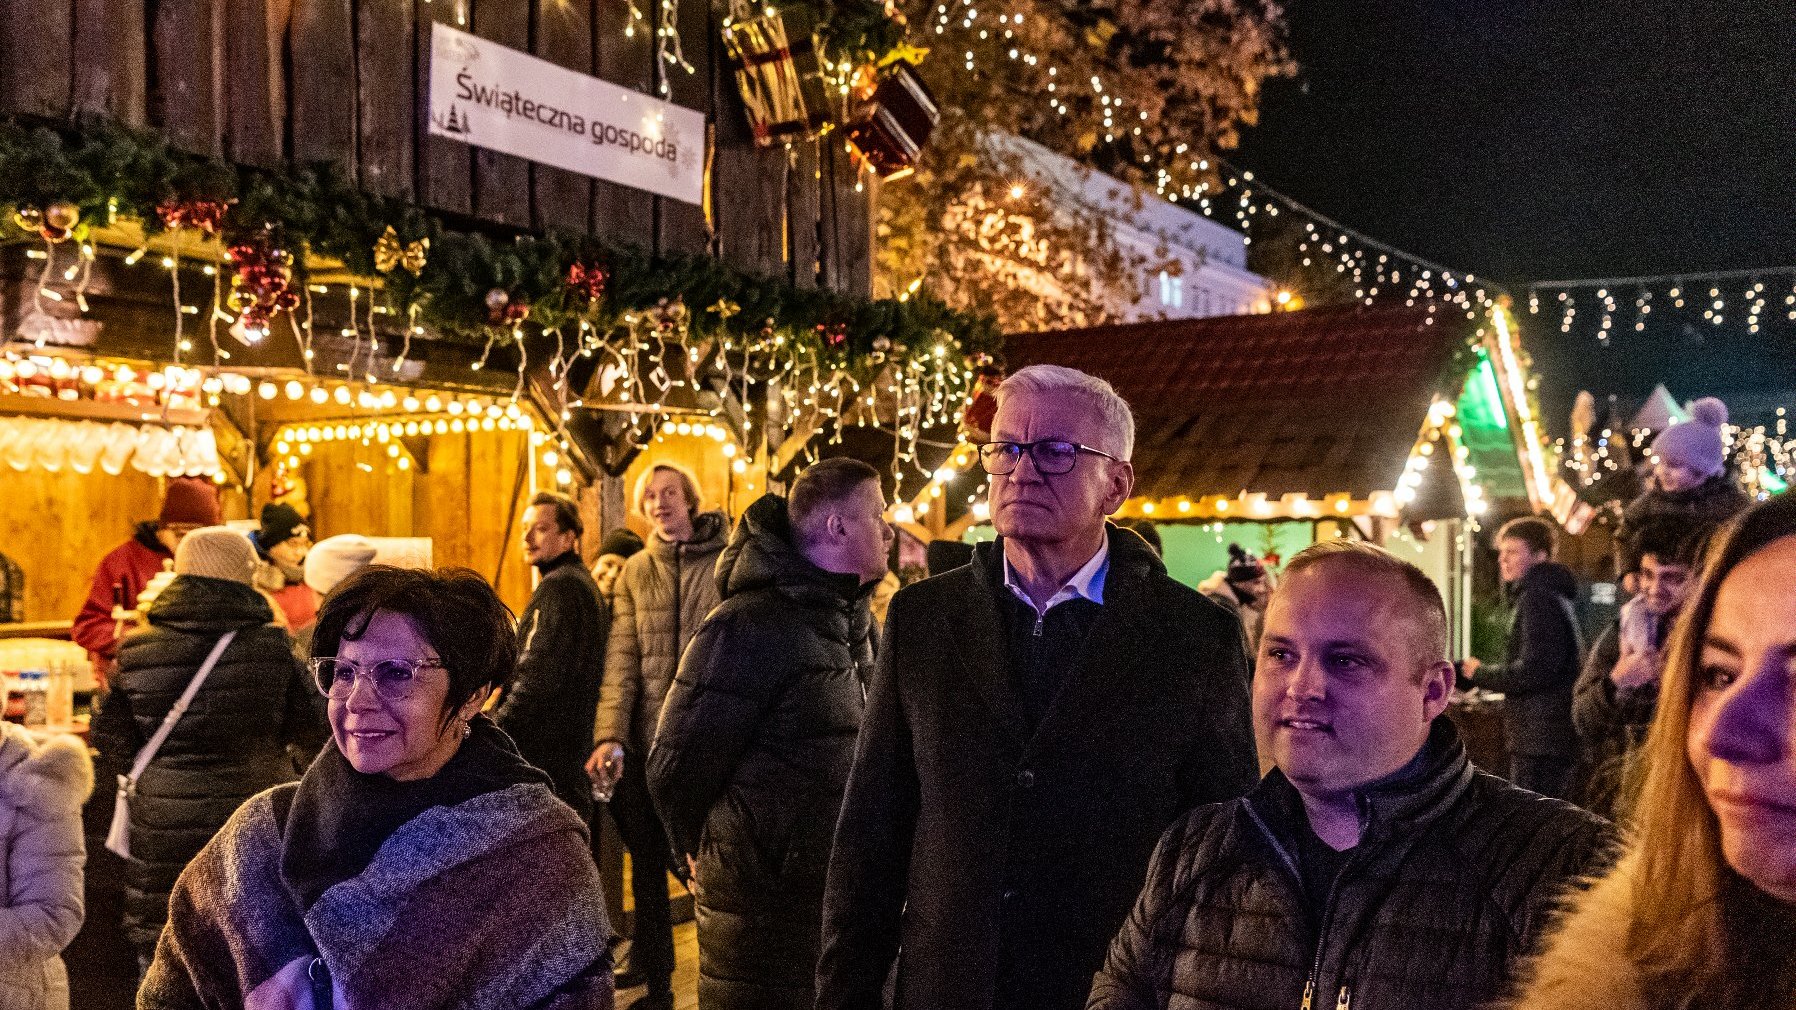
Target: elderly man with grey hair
1036, 719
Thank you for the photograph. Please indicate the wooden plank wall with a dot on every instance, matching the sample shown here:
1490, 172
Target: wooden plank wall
460, 496
57, 527
345, 81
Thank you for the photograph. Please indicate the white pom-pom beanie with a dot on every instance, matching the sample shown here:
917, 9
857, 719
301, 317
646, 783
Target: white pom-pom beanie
1696, 444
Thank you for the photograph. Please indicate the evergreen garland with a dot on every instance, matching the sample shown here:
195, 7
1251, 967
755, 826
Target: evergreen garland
110, 173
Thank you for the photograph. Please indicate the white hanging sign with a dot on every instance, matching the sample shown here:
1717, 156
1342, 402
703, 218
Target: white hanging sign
487, 95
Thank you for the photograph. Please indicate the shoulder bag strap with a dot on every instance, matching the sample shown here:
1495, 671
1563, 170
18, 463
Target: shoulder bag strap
148, 753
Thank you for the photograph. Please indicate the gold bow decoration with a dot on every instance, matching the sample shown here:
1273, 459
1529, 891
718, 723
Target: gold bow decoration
389, 253
724, 309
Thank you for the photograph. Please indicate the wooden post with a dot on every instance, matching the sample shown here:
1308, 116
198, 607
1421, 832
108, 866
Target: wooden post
563, 36
501, 181
748, 185
847, 212
619, 212
445, 167
323, 102
803, 211
681, 227
34, 58
188, 38
386, 95
109, 59
251, 64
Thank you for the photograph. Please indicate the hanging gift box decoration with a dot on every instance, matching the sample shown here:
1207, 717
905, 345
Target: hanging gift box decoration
780, 86
891, 131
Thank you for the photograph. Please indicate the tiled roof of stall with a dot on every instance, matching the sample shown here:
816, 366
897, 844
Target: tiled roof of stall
1316, 401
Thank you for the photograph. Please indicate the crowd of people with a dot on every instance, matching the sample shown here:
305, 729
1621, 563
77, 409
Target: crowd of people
1052, 777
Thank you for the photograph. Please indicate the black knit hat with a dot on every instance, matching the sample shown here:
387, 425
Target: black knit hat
620, 542
1243, 566
280, 522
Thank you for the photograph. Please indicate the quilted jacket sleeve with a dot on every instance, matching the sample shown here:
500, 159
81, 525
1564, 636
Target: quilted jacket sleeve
709, 719
1129, 979
623, 668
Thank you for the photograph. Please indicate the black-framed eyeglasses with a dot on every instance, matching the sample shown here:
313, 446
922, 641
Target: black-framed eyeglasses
1050, 455
392, 679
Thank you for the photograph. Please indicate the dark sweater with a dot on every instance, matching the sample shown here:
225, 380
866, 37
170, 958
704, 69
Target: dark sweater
1042, 648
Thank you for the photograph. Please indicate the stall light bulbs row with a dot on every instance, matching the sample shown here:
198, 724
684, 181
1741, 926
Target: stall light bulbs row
712, 431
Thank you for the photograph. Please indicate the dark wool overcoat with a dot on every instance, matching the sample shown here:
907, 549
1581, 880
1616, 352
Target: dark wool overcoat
994, 861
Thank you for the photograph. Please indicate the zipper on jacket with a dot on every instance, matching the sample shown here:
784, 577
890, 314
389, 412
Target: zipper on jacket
1328, 908
1328, 911
1343, 1001
1038, 620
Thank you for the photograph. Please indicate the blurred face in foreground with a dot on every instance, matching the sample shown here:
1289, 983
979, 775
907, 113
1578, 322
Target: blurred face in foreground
1344, 690
1742, 741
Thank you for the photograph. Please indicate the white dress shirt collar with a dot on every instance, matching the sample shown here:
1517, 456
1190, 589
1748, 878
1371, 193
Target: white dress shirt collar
1086, 584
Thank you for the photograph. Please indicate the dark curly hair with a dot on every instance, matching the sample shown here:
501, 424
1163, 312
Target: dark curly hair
471, 629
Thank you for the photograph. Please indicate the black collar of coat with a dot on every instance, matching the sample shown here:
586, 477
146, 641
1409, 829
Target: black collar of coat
977, 633
558, 562
1399, 805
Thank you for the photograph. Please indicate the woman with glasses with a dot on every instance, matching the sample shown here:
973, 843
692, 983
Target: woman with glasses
254, 723
420, 863
1701, 908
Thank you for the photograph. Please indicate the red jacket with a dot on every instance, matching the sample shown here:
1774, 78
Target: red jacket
122, 575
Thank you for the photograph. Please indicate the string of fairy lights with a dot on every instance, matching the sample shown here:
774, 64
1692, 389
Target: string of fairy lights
1628, 304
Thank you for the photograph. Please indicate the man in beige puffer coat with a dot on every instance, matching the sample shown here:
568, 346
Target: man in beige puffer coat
661, 597
42, 787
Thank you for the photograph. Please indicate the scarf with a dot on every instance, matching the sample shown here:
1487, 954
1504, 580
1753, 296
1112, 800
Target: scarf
340, 817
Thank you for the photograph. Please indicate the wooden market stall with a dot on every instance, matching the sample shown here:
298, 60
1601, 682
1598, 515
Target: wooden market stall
1400, 425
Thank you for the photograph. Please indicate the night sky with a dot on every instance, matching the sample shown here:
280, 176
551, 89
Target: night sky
1562, 139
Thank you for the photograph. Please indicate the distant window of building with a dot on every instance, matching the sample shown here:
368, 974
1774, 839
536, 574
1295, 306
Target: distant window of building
1172, 290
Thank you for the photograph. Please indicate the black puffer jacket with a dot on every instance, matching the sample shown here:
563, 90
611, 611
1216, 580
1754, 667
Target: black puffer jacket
549, 707
1541, 663
253, 725
752, 757
1456, 874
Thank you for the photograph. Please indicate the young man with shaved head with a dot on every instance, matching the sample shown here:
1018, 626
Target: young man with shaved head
1373, 868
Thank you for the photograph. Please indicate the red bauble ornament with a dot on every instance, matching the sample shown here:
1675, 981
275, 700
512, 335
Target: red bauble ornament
261, 281
587, 281
206, 215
